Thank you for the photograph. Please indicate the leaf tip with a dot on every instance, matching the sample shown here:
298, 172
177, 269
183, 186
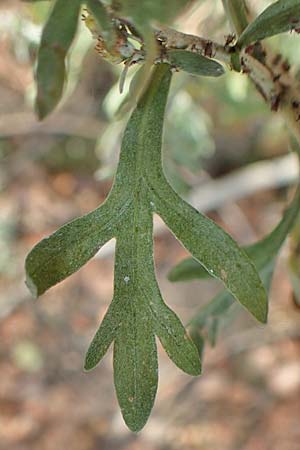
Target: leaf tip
172, 275
32, 286
89, 363
135, 422
33, 282
196, 370
41, 110
263, 316
261, 309
86, 367
136, 427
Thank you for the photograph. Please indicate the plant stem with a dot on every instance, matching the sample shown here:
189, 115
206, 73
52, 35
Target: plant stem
173, 39
274, 81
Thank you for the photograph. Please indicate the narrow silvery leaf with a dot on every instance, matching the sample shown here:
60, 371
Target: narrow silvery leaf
56, 40
279, 17
195, 64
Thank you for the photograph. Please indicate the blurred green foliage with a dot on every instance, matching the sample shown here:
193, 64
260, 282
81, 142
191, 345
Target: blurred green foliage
235, 96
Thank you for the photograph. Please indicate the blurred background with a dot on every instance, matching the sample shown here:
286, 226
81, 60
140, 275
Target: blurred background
51, 172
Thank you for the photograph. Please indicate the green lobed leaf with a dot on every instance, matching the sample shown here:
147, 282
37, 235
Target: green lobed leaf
279, 17
137, 312
195, 64
56, 40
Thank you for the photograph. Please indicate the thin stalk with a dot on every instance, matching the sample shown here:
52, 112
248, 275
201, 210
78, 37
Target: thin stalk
173, 39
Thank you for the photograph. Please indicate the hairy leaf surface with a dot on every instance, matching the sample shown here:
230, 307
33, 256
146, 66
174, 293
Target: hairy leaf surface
216, 251
68, 249
195, 64
279, 17
261, 252
137, 312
